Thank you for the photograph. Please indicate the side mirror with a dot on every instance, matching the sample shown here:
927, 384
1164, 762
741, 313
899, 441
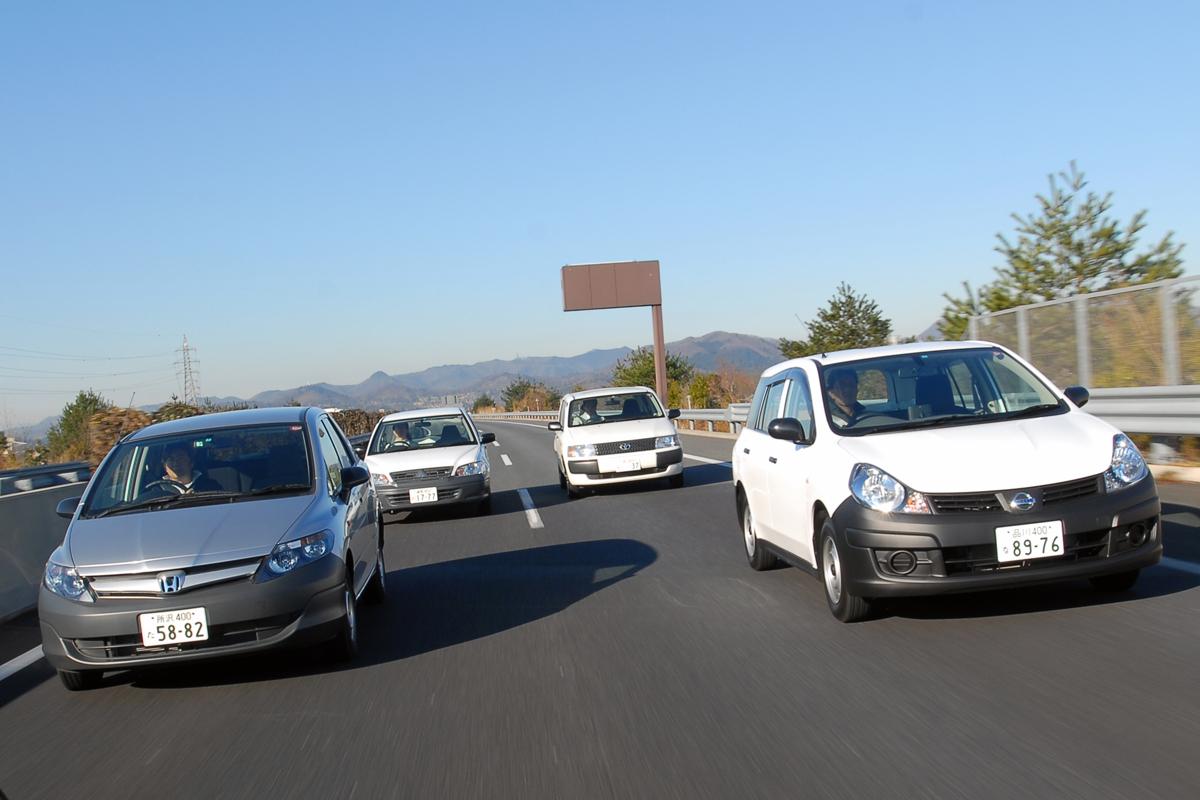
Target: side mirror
66, 508
673, 413
487, 438
788, 429
354, 476
554, 426
1077, 395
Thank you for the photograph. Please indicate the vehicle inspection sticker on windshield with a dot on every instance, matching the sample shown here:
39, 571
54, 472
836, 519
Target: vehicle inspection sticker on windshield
1033, 540
428, 495
173, 627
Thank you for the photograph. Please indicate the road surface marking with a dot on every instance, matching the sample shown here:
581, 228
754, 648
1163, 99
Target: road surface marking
531, 514
495, 444
704, 460
20, 662
507, 461
1181, 565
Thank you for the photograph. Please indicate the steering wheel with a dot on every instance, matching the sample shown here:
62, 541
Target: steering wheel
400, 445
167, 483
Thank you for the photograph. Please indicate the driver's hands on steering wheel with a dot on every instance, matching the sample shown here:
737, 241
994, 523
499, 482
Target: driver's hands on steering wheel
171, 487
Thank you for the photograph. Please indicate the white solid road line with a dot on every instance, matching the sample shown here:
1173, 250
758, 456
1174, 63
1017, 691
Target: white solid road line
507, 461
704, 460
531, 514
1182, 566
20, 662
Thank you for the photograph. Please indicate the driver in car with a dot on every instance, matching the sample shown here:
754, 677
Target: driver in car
180, 475
843, 396
399, 436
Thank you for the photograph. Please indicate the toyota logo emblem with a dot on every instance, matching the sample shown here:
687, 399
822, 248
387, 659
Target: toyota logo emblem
1022, 501
171, 582
624, 447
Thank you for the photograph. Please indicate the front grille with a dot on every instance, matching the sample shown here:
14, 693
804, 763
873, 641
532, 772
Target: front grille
130, 645
1061, 492
965, 503
630, 446
421, 475
980, 559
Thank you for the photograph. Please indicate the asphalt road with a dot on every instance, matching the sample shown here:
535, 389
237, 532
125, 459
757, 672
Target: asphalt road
625, 649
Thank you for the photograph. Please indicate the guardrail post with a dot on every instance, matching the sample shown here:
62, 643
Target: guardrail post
1083, 343
1172, 373
1022, 333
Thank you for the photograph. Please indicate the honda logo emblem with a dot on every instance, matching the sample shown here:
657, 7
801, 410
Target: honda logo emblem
171, 582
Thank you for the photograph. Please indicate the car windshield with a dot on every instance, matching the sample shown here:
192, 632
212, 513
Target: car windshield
938, 388
619, 407
421, 433
224, 464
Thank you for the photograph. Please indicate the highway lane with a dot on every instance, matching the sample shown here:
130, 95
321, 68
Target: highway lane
625, 649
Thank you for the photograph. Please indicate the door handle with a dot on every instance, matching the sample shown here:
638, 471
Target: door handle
746, 450
773, 460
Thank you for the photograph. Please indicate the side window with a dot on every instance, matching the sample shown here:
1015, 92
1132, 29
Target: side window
756, 406
799, 402
333, 464
344, 450
770, 406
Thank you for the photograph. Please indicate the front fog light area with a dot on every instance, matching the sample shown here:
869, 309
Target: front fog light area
287, 556
66, 582
1127, 467
878, 491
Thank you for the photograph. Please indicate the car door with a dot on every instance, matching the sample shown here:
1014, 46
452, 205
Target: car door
352, 513
754, 445
788, 467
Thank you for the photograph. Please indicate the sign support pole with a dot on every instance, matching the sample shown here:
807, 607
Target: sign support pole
660, 357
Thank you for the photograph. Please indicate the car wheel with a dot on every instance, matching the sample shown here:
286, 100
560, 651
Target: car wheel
345, 645
485, 506
1120, 582
845, 606
80, 681
675, 481
376, 591
562, 478
756, 553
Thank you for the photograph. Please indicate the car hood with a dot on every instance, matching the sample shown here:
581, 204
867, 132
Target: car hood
990, 456
433, 458
618, 431
179, 538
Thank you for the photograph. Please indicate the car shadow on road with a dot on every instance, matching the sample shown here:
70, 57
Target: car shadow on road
438, 605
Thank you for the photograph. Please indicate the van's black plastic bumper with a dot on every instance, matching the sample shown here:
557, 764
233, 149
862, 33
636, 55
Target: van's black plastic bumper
463, 489
956, 552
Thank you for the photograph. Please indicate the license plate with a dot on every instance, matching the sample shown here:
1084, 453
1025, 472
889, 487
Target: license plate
173, 627
629, 465
428, 495
1033, 540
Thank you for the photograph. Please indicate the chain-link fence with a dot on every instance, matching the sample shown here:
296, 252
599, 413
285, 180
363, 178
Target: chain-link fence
1146, 335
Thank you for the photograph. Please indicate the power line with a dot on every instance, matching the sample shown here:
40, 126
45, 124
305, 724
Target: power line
14, 352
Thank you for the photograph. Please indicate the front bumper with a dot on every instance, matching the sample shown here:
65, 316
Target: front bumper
300, 608
450, 491
957, 552
605, 469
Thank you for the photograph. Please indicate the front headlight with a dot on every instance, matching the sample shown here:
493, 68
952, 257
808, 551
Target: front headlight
666, 441
471, 468
65, 582
382, 480
878, 491
581, 451
287, 556
1127, 467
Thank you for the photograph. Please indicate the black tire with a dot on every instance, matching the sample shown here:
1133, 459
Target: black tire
80, 681
675, 481
1120, 582
376, 591
758, 556
344, 646
562, 479
843, 605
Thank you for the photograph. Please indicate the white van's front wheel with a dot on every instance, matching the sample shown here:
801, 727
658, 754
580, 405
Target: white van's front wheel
843, 605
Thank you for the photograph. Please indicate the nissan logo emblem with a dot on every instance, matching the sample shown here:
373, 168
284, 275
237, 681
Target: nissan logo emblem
1022, 501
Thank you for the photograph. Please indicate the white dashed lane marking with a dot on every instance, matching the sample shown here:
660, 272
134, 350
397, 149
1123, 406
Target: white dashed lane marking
507, 461
531, 513
20, 662
704, 460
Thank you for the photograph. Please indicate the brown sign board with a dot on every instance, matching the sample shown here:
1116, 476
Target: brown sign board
615, 285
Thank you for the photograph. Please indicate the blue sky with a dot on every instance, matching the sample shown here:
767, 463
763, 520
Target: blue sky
314, 191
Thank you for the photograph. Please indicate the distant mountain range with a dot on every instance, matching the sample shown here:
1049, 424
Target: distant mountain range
463, 382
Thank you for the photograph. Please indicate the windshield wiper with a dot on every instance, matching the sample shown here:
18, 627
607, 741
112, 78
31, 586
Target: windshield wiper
1033, 411
280, 488
166, 501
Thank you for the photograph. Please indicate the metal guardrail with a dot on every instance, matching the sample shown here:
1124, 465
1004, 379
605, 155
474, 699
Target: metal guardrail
1155, 410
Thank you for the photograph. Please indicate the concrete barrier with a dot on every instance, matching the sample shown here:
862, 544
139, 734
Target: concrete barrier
29, 532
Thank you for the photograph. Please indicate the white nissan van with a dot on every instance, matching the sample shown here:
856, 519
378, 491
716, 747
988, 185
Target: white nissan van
941, 467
